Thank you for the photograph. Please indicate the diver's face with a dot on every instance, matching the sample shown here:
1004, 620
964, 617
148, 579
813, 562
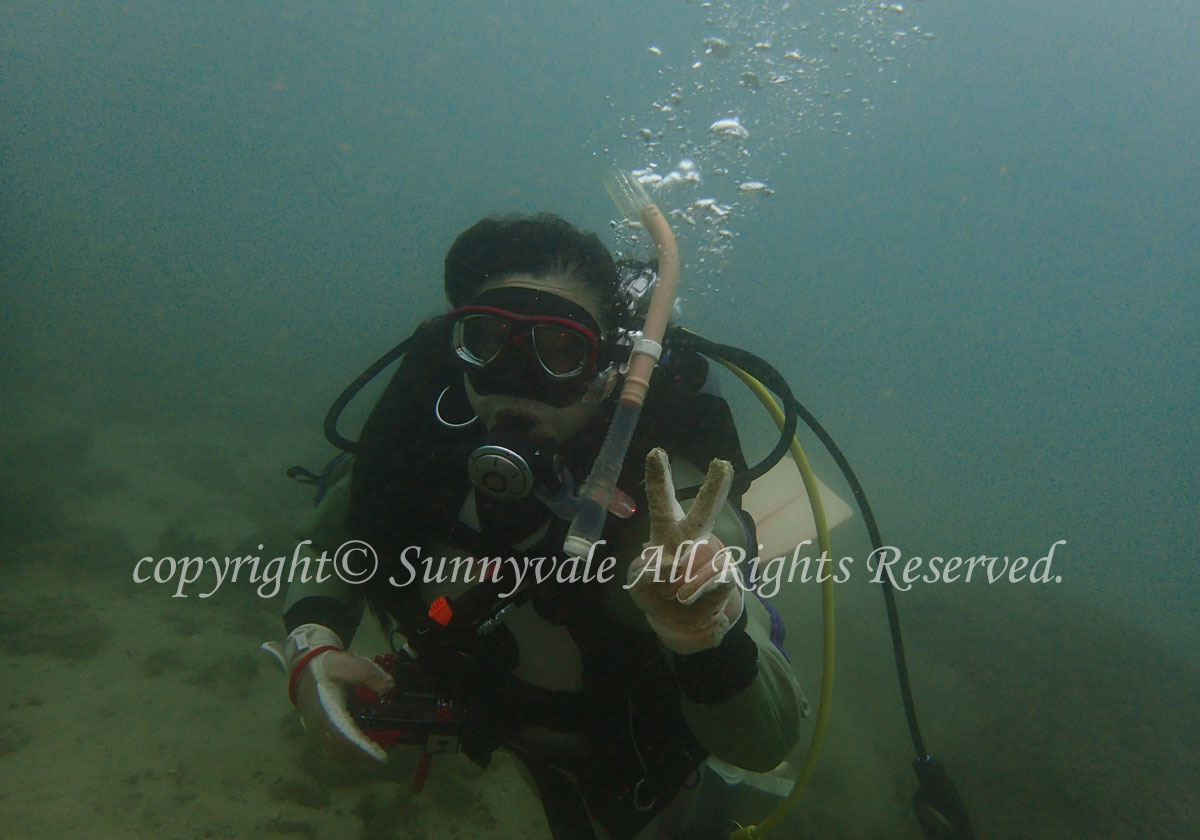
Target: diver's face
559, 421
549, 421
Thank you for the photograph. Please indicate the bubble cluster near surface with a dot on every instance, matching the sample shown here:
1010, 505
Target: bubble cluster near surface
731, 104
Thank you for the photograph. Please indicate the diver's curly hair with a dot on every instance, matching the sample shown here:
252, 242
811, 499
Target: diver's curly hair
543, 244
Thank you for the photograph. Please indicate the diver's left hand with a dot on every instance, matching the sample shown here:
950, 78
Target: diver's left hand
691, 592
321, 676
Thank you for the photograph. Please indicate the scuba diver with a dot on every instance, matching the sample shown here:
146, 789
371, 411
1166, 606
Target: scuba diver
613, 690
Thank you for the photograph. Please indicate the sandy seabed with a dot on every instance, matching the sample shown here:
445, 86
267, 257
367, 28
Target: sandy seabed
128, 713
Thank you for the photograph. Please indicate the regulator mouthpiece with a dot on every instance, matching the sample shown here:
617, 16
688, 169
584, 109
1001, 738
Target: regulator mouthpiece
511, 464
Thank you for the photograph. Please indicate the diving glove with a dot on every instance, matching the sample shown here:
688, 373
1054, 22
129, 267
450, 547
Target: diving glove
320, 676
686, 584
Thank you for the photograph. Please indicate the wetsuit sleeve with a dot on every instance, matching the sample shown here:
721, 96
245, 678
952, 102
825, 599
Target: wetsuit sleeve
741, 699
323, 598
756, 728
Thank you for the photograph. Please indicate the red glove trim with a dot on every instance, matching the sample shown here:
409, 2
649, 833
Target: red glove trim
304, 660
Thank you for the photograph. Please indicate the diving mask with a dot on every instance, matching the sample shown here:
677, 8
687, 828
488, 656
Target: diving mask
526, 343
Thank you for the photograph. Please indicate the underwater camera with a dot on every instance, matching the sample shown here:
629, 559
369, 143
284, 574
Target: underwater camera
412, 712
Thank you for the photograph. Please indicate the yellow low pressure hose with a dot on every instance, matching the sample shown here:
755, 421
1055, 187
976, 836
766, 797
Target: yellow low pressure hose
825, 703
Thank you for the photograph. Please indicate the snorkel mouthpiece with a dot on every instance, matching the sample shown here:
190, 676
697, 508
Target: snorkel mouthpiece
600, 488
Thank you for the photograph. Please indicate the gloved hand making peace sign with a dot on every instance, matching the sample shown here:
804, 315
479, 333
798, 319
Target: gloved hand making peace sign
684, 580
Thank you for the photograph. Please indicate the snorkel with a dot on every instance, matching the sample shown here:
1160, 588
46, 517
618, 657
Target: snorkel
598, 492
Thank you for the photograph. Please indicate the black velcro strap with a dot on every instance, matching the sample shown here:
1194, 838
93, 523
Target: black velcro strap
718, 674
320, 609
